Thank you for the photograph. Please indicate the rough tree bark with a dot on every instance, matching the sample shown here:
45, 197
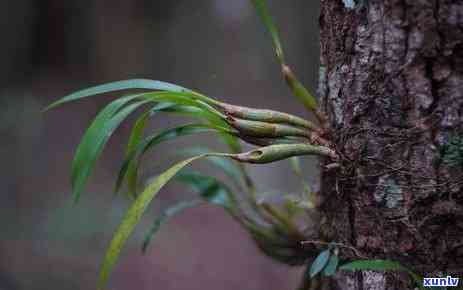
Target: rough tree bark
392, 85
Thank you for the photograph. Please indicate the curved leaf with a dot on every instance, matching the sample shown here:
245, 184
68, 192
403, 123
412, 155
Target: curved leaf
319, 263
228, 167
262, 10
185, 98
118, 86
139, 128
231, 141
373, 265
134, 214
165, 216
295, 85
198, 113
381, 265
130, 165
95, 138
140, 125
332, 265
209, 188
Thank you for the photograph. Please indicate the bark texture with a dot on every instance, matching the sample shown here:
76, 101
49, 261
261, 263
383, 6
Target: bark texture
392, 84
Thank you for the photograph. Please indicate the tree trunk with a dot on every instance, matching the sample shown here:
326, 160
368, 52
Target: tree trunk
392, 85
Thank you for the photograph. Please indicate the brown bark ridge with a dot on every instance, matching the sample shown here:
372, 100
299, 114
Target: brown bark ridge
392, 85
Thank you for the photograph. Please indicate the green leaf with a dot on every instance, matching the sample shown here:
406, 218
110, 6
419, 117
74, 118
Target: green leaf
118, 86
231, 141
165, 216
139, 127
198, 113
95, 138
130, 166
228, 167
184, 98
294, 84
262, 10
299, 90
381, 265
373, 265
209, 188
319, 263
134, 215
295, 163
332, 265
309, 197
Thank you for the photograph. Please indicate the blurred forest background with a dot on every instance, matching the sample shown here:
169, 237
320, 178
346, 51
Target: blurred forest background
52, 47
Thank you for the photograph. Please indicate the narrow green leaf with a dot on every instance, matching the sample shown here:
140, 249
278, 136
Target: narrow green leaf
295, 163
138, 129
198, 113
298, 90
231, 141
228, 167
135, 213
133, 216
332, 265
209, 188
95, 138
184, 98
262, 10
373, 265
294, 84
102, 117
118, 86
165, 216
140, 125
309, 198
381, 265
319, 263
130, 166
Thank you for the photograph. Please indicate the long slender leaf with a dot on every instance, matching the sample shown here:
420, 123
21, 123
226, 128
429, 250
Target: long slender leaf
231, 141
119, 86
262, 10
297, 169
319, 263
209, 188
381, 265
198, 113
139, 127
135, 213
130, 165
300, 91
294, 84
102, 117
373, 265
95, 138
185, 98
228, 167
165, 216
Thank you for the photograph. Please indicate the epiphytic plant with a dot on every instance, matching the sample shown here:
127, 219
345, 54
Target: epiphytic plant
277, 136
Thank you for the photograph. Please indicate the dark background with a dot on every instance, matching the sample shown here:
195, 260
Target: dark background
52, 47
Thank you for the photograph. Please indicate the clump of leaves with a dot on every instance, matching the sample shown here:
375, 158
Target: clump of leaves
277, 135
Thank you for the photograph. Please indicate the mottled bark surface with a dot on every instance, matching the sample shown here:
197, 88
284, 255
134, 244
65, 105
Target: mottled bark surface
392, 85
